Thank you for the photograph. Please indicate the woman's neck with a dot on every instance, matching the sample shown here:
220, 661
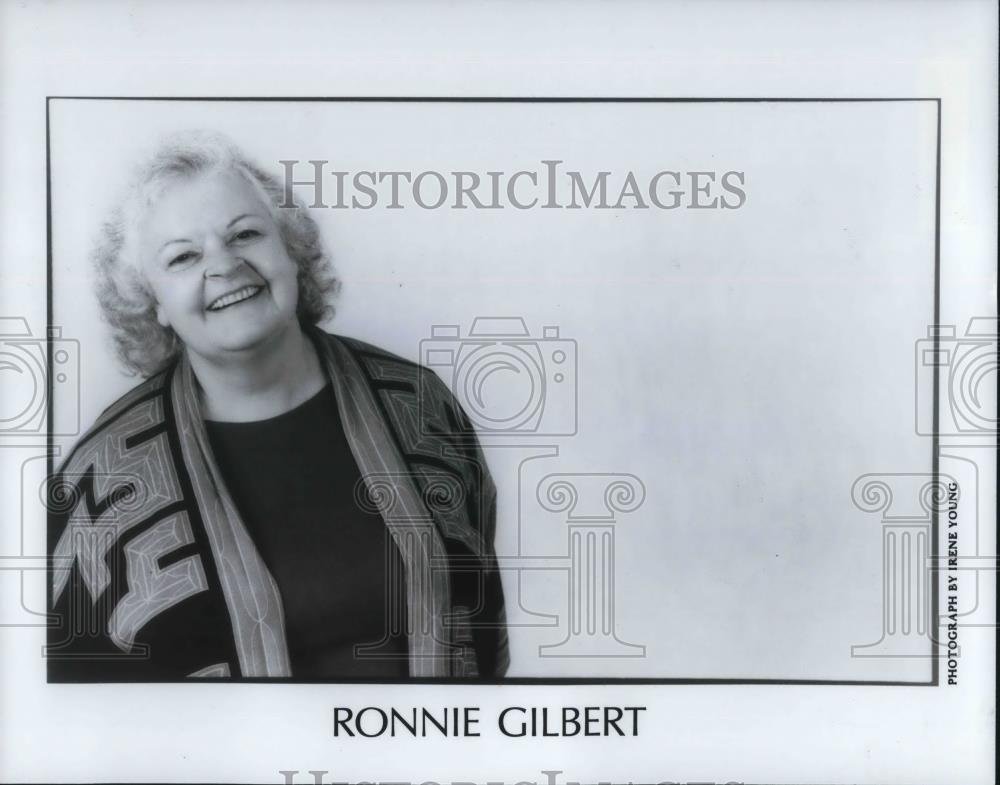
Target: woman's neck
271, 380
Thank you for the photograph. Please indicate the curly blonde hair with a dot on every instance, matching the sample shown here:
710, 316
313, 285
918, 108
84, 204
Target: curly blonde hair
142, 344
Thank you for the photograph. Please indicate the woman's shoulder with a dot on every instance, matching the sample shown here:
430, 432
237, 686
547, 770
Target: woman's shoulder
383, 365
365, 349
385, 369
142, 404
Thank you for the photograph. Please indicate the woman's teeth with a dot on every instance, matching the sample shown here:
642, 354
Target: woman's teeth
234, 297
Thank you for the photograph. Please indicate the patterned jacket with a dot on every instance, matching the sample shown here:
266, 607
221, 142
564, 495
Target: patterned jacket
155, 577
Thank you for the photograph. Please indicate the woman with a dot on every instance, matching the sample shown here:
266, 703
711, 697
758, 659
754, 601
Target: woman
273, 501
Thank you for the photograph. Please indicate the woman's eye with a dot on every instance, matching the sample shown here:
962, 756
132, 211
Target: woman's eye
181, 259
246, 234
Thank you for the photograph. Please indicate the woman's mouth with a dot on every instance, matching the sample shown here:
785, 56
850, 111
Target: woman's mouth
232, 298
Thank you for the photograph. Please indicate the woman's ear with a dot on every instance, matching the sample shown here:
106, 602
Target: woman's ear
161, 317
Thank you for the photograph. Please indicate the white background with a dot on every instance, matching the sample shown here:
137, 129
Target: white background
751, 733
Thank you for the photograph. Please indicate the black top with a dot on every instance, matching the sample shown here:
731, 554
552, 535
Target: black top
294, 479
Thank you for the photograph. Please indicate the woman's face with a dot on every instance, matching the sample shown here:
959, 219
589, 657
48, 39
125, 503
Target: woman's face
217, 266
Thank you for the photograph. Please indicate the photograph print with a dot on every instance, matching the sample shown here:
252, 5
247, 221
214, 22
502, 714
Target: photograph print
496, 390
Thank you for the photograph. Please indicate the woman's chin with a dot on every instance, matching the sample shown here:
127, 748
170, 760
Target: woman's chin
242, 341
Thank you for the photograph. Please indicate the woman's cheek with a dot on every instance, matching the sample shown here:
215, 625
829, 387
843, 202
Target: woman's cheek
182, 295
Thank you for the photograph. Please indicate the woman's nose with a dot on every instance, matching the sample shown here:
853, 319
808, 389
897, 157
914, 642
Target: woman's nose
221, 262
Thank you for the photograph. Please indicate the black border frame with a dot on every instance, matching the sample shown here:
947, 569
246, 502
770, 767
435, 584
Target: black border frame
935, 665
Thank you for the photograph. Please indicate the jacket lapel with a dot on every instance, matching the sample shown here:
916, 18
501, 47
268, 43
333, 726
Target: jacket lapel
391, 485
251, 593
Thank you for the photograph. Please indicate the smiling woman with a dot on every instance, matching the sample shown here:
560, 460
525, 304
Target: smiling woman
221, 279
265, 504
